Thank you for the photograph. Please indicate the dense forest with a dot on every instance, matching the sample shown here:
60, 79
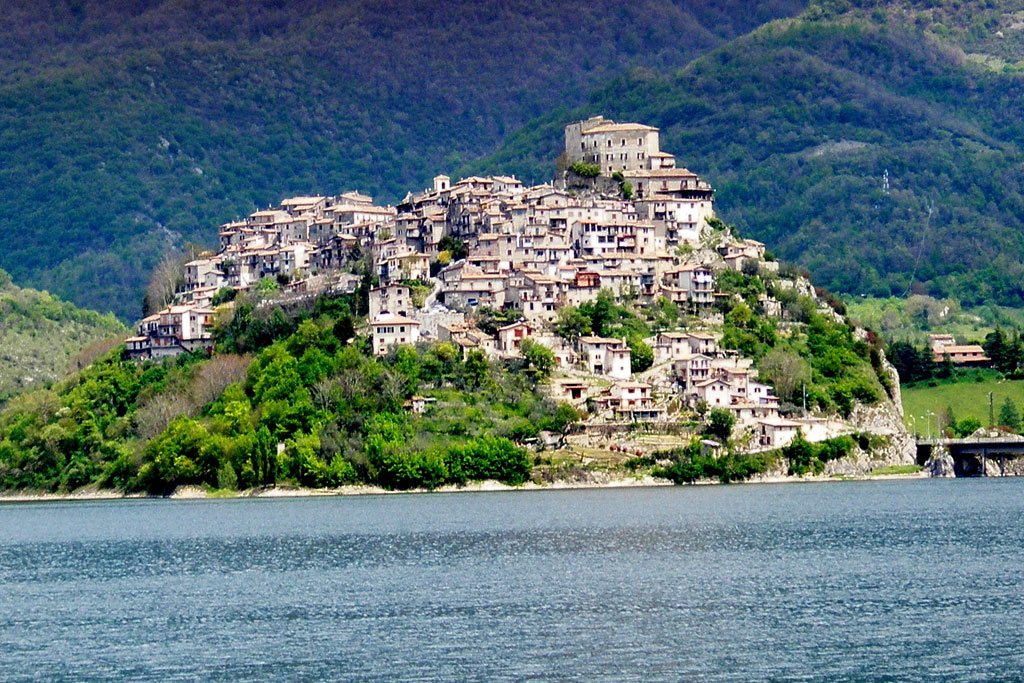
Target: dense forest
42, 338
878, 144
130, 128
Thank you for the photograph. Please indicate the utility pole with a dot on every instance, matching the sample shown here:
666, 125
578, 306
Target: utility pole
991, 413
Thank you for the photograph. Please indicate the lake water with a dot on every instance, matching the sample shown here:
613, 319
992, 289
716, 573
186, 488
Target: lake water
905, 580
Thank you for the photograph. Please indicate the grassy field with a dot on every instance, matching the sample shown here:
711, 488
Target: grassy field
895, 469
967, 399
914, 318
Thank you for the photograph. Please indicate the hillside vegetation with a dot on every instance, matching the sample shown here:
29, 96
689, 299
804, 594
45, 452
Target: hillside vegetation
130, 128
965, 399
797, 124
293, 396
292, 375
41, 337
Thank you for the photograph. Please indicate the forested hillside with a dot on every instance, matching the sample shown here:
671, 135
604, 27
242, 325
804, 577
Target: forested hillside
798, 124
129, 128
283, 374
41, 337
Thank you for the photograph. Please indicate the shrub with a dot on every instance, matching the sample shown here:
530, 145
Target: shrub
585, 170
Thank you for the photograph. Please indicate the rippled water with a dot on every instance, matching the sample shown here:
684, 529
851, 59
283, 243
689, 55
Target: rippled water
911, 580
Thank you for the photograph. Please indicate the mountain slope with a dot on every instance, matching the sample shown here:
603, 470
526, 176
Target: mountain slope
129, 128
799, 124
41, 335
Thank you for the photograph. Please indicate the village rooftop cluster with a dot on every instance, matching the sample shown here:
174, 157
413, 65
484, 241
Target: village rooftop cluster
620, 216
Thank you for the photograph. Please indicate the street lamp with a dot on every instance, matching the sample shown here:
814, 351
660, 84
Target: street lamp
914, 421
930, 415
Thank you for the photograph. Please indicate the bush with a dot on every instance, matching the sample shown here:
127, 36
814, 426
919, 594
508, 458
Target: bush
585, 170
721, 423
690, 464
489, 457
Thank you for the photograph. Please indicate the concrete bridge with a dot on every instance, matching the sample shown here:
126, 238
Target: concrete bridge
983, 456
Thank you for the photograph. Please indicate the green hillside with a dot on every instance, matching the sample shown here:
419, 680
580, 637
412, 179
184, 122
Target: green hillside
41, 337
967, 399
129, 128
797, 124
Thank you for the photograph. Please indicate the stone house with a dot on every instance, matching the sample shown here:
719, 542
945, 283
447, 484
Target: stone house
389, 331
691, 369
602, 356
776, 432
612, 146
716, 392
510, 335
172, 331
394, 298
633, 401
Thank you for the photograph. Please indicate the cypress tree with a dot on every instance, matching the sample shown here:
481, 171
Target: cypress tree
1009, 416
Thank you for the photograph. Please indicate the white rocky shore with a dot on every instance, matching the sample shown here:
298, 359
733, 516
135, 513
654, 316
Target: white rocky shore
596, 480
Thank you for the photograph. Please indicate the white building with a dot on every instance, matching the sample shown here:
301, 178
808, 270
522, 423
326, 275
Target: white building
603, 356
390, 331
173, 331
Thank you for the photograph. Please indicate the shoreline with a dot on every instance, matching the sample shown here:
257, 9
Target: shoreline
489, 486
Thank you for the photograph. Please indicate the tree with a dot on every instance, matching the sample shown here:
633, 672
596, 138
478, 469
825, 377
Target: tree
948, 420
563, 421
166, 279
572, 324
641, 355
801, 456
267, 285
344, 329
1009, 415
1000, 349
967, 426
601, 311
539, 360
456, 248
787, 372
475, 369
263, 457
224, 295
585, 170
721, 423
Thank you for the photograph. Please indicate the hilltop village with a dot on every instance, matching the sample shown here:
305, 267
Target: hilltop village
621, 221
